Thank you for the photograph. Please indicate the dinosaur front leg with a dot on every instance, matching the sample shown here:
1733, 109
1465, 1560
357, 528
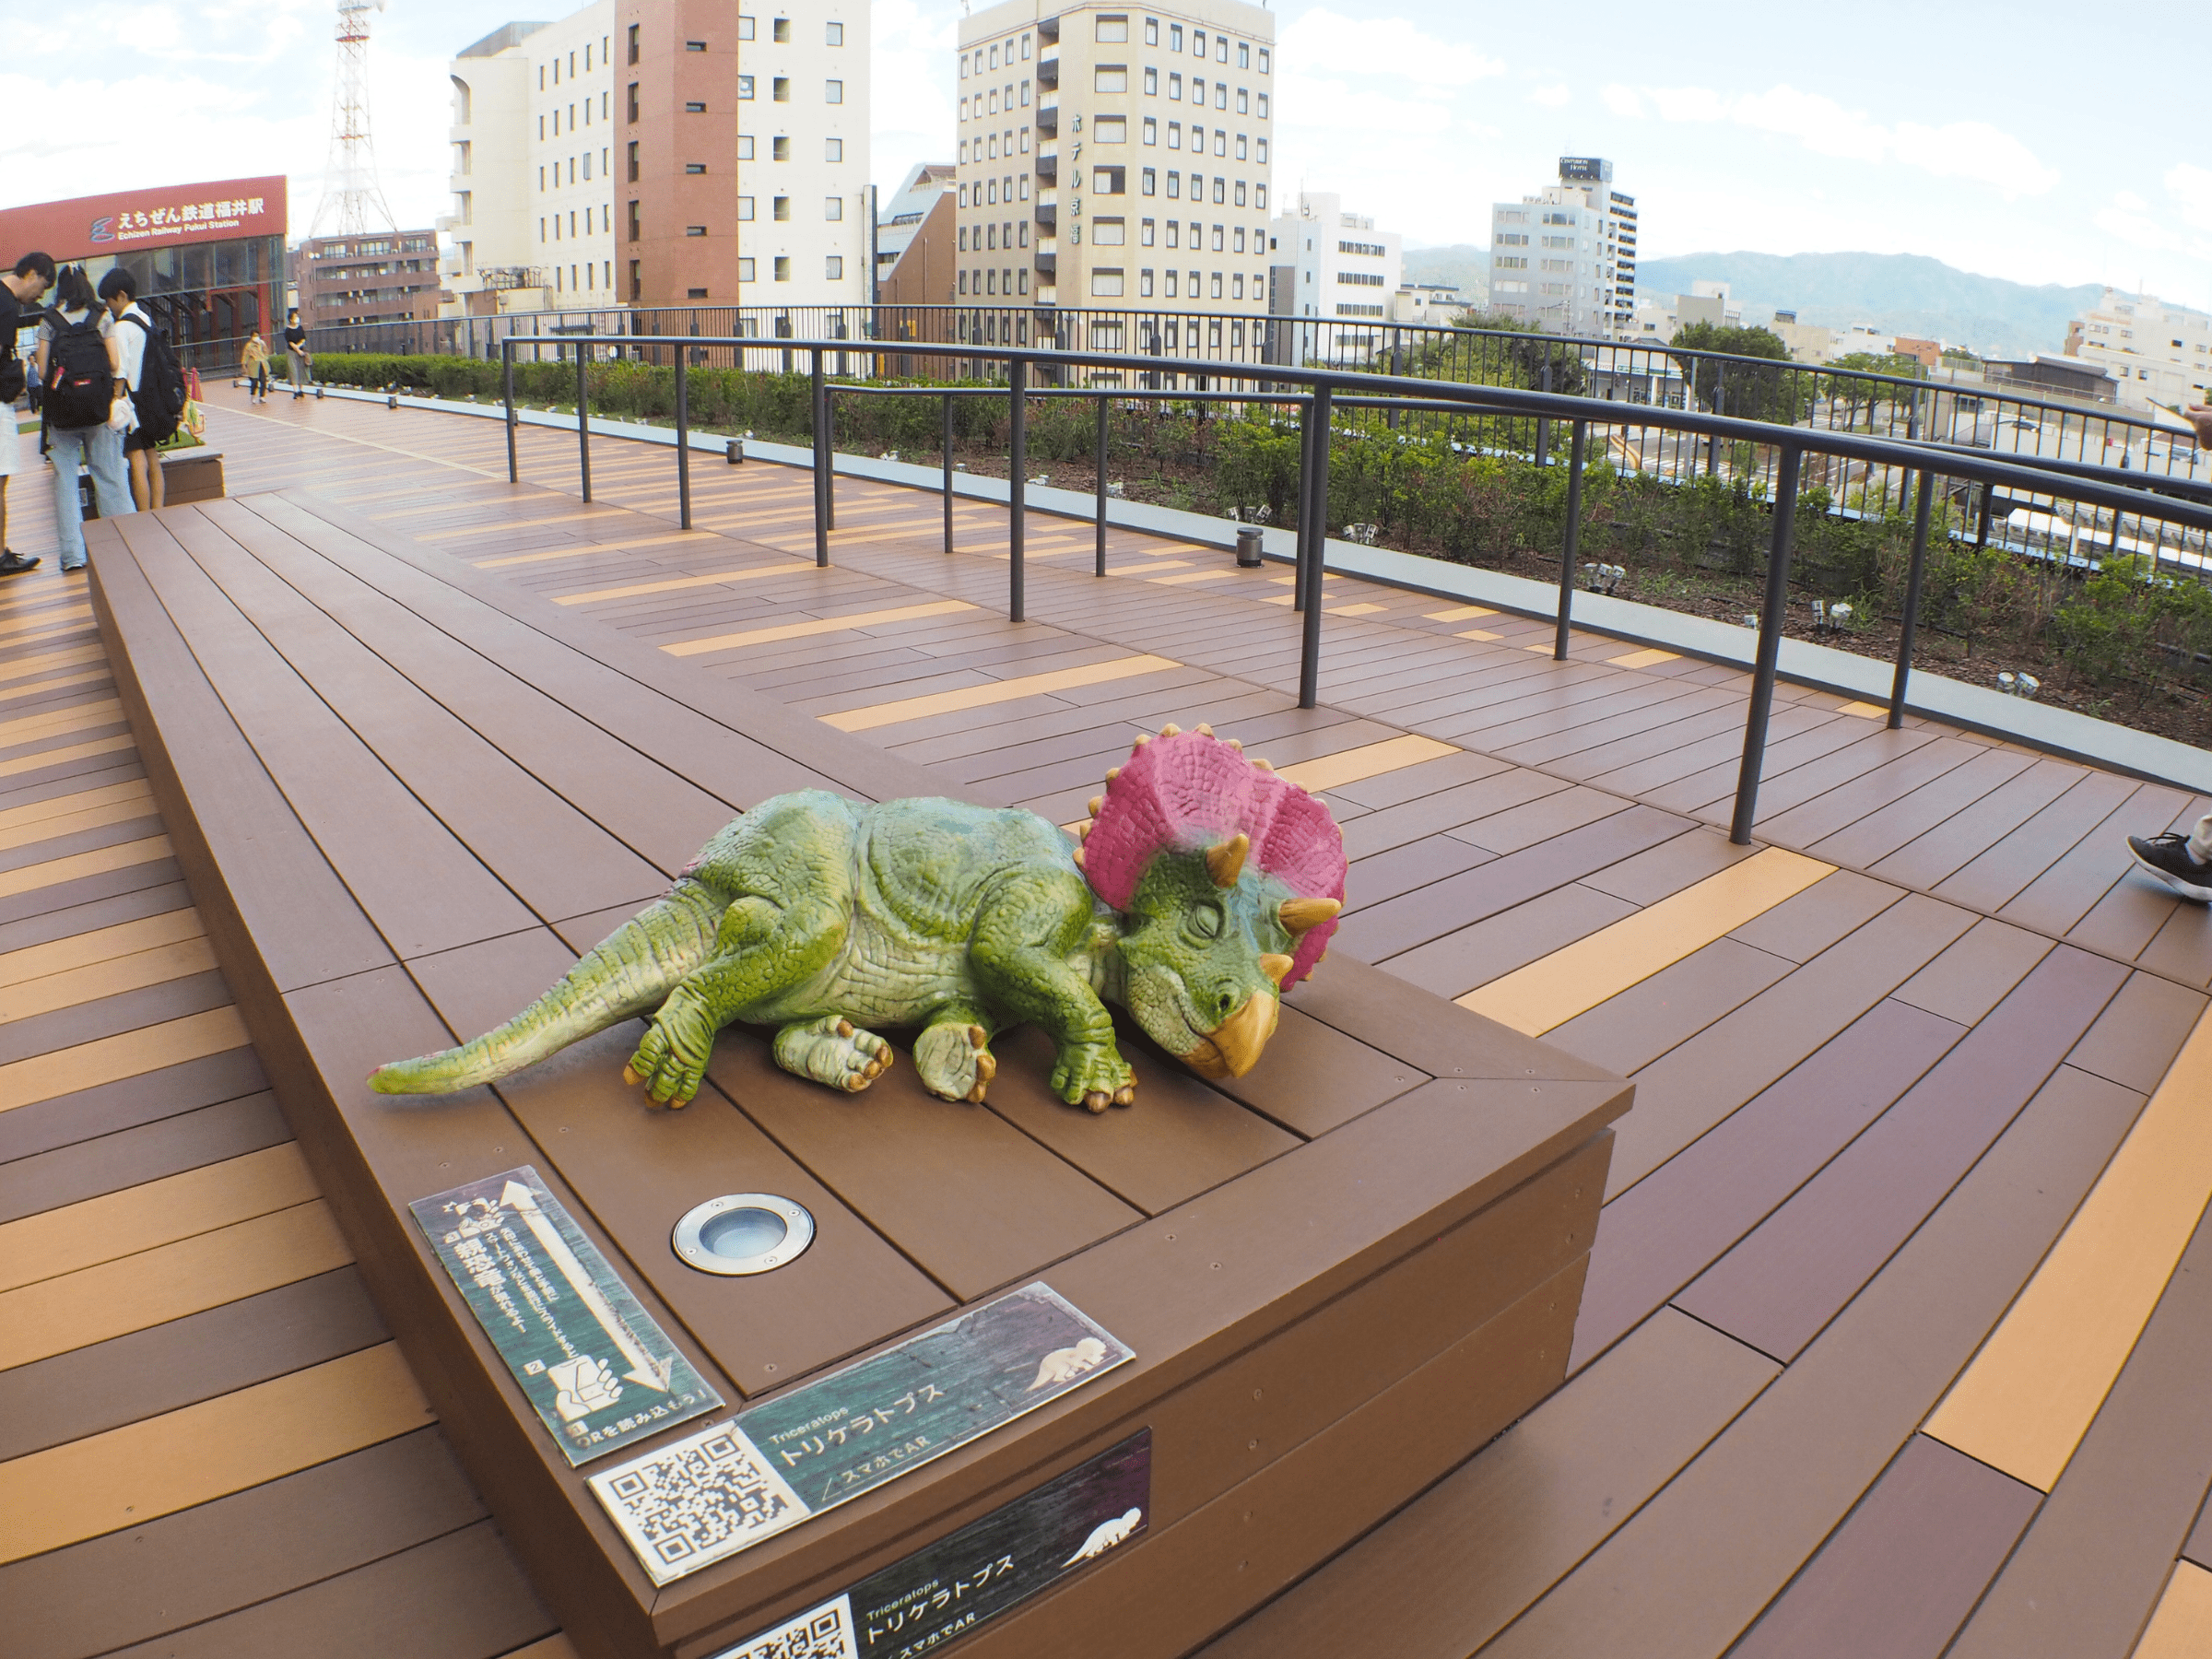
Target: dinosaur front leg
831, 1050
763, 950
1021, 956
953, 1055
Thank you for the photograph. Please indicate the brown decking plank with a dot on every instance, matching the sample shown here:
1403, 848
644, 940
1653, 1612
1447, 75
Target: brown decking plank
1963, 835
1404, 822
1657, 1236
1717, 781
1353, 996
1900, 1574
1312, 1077
2181, 949
111, 1016
1462, 1559
237, 1551
1422, 778
1386, 875
144, 823
93, 914
1694, 1568
1630, 1029
2059, 898
106, 1385
1475, 954
1975, 972
1540, 820
83, 889
1874, 810
1668, 868
1786, 1278
1687, 1091
1431, 912
2141, 1029
1994, 877
2085, 1578
186, 1141
106, 1108
1806, 923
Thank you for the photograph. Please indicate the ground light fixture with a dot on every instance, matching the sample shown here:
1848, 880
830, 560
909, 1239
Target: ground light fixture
742, 1233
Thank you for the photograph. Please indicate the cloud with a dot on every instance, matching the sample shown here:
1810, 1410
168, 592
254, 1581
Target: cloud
2192, 186
1551, 97
1386, 46
1961, 150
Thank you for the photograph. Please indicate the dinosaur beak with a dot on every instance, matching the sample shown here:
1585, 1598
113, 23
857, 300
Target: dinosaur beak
1232, 1048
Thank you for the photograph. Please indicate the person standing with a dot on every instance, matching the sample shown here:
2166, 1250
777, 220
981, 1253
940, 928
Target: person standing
297, 357
2182, 862
86, 410
22, 288
119, 292
255, 361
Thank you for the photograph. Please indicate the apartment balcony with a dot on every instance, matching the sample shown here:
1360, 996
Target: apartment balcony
1048, 217
1047, 73
1048, 169
1047, 267
1048, 118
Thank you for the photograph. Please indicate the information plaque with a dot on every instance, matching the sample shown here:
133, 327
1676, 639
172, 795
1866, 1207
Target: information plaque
705, 1498
948, 1588
600, 1372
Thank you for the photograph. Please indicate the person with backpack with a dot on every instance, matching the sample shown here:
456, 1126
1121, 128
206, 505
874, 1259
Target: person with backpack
297, 358
86, 410
20, 288
155, 381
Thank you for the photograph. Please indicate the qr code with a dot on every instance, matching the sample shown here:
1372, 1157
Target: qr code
697, 1502
823, 1632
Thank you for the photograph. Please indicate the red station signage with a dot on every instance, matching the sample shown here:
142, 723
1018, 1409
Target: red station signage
133, 221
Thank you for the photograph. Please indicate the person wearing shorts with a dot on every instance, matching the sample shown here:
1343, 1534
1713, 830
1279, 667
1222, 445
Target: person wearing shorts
20, 290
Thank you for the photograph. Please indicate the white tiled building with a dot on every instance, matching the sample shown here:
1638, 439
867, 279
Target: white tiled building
1117, 158
1342, 273
1565, 258
2157, 352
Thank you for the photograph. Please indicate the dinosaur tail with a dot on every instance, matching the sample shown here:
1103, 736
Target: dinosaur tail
630, 972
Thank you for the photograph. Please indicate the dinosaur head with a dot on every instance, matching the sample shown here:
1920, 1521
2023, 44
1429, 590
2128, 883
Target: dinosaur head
1228, 881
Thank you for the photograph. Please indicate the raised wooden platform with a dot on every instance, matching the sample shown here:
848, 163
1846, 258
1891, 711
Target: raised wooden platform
407, 795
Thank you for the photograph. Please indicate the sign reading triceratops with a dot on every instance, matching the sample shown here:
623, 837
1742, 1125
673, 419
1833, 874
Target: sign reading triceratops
1204, 884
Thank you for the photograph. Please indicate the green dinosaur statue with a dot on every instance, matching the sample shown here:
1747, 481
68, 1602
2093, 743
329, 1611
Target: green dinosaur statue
1203, 886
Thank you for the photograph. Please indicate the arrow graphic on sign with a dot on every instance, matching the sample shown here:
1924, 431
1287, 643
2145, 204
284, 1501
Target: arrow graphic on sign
645, 1371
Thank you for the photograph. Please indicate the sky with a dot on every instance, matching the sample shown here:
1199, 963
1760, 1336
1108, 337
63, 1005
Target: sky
1985, 136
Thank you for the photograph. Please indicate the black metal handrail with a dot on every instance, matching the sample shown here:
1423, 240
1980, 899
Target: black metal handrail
1928, 460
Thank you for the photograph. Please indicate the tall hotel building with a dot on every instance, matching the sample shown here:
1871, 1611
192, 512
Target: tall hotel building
665, 152
1565, 258
1117, 159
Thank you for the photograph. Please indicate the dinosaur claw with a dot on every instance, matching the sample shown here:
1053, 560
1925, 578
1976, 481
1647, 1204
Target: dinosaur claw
975, 1095
630, 1078
986, 1069
977, 1037
1097, 1101
1125, 1094
873, 1070
844, 1027
856, 1083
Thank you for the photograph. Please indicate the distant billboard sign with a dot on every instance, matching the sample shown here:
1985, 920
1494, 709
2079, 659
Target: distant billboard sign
1585, 170
133, 221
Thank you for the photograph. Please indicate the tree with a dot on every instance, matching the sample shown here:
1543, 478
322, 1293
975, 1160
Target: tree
1748, 391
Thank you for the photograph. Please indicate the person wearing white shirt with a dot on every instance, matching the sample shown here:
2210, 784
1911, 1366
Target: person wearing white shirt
119, 290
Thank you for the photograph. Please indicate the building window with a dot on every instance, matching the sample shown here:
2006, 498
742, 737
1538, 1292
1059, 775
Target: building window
833, 207
1112, 29
695, 229
745, 147
782, 272
781, 31
1109, 129
1144, 284
1144, 232
1171, 285
1174, 37
833, 267
1151, 31
1109, 232
1263, 110
745, 29
745, 207
833, 91
633, 42
1106, 284
695, 109
1109, 180
1263, 161
963, 282
695, 45
1111, 77
1217, 187
833, 149
1152, 81
587, 167
1236, 287
834, 34
783, 207
779, 149
1240, 147
1174, 183
634, 232
1175, 85
1217, 291
1151, 130
744, 270
633, 101
1025, 94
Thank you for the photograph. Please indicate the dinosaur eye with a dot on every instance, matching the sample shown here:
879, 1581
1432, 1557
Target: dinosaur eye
1206, 921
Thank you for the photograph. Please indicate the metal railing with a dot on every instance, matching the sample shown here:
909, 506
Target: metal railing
1315, 391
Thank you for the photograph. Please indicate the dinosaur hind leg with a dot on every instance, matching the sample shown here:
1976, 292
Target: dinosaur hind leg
953, 1058
831, 1050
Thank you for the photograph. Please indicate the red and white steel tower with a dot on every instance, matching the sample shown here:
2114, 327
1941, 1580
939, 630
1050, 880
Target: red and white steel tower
352, 200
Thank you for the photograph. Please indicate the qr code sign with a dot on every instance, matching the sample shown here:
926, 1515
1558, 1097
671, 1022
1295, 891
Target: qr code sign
696, 1502
823, 1632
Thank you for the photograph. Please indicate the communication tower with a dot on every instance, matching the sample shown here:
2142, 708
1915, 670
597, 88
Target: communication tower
353, 201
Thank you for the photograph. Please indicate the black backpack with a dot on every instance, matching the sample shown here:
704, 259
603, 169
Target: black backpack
161, 396
79, 383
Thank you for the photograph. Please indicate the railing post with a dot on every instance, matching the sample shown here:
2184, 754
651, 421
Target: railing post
1105, 408
821, 463
1571, 544
1543, 424
1018, 465
948, 439
514, 474
683, 439
1911, 621
1308, 659
1301, 567
584, 424
1719, 397
1770, 646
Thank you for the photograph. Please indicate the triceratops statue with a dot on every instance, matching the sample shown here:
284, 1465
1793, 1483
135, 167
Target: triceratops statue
1204, 885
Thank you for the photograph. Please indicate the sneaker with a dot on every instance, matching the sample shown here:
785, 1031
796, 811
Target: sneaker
14, 564
2167, 857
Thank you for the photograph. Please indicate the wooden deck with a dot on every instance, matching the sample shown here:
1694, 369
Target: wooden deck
1893, 1339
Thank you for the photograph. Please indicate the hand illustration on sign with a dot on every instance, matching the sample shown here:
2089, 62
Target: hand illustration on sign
585, 1386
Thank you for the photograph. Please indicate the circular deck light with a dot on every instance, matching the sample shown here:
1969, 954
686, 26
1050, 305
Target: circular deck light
743, 1232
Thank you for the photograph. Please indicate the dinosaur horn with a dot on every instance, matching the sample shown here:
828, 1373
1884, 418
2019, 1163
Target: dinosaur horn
1298, 915
1225, 862
627, 973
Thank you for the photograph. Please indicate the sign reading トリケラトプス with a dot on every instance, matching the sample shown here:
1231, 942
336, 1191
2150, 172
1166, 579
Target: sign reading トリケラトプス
601, 1372
948, 1588
725, 1488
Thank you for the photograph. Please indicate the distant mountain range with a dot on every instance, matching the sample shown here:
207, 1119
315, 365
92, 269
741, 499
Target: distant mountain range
1901, 293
